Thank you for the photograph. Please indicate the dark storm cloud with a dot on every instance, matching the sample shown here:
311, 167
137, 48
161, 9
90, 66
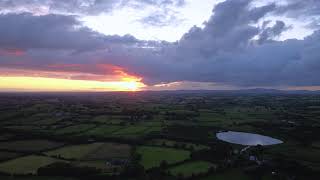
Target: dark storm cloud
225, 51
230, 49
25, 31
225, 31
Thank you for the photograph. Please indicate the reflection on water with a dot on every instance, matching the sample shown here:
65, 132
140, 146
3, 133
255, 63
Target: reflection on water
247, 139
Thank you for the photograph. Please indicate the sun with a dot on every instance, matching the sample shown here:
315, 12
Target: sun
131, 85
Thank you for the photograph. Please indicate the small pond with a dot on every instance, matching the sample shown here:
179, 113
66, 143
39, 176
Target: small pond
247, 139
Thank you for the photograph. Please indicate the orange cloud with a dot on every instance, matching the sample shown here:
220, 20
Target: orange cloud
119, 71
99, 72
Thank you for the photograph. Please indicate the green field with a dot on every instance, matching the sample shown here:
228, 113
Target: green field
102, 131
29, 145
131, 130
170, 143
95, 151
75, 129
229, 175
98, 164
316, 145
35, 178
135, 131
293, 151
7, 155
110, 119
107, 130
109, 150
75, 151
4, 137
152, 156
101, 119
26, 165
187, 169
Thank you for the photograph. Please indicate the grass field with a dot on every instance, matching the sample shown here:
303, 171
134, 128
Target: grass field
102, 131
4, 137
35, 178
50, 121
131, 130
75, 129
25, 127
316, 145
136, 130
29, 145
153, 129
26, 165
111, 119
296, 152
170, 143
74, 152
109, 150
95, 151
99, 164
229, 175
101, 119
152, 156
190, 168
7, 155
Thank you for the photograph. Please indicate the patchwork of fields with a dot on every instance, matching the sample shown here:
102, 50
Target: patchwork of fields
159, 135
153, 156
26, 165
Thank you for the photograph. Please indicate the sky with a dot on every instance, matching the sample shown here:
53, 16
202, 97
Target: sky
132, 45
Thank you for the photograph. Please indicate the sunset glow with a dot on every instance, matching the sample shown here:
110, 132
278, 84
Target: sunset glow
53, 84
68, 77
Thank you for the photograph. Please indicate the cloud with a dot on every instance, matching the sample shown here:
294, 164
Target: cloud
162, 18
81, 7
55, 32
162, 14
296, 8
307, 10
231, 49
269, 33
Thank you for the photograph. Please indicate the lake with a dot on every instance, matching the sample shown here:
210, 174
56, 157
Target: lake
247, 139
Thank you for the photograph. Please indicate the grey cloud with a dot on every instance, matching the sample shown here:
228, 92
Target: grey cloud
87, 7
25, 31
162, 18
164, 15
60, 6
224, 52
226, 31
308, 10
300, 8
269, 33
159, 3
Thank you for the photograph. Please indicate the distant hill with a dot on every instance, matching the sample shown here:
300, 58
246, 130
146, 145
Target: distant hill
256, 91
243, 91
